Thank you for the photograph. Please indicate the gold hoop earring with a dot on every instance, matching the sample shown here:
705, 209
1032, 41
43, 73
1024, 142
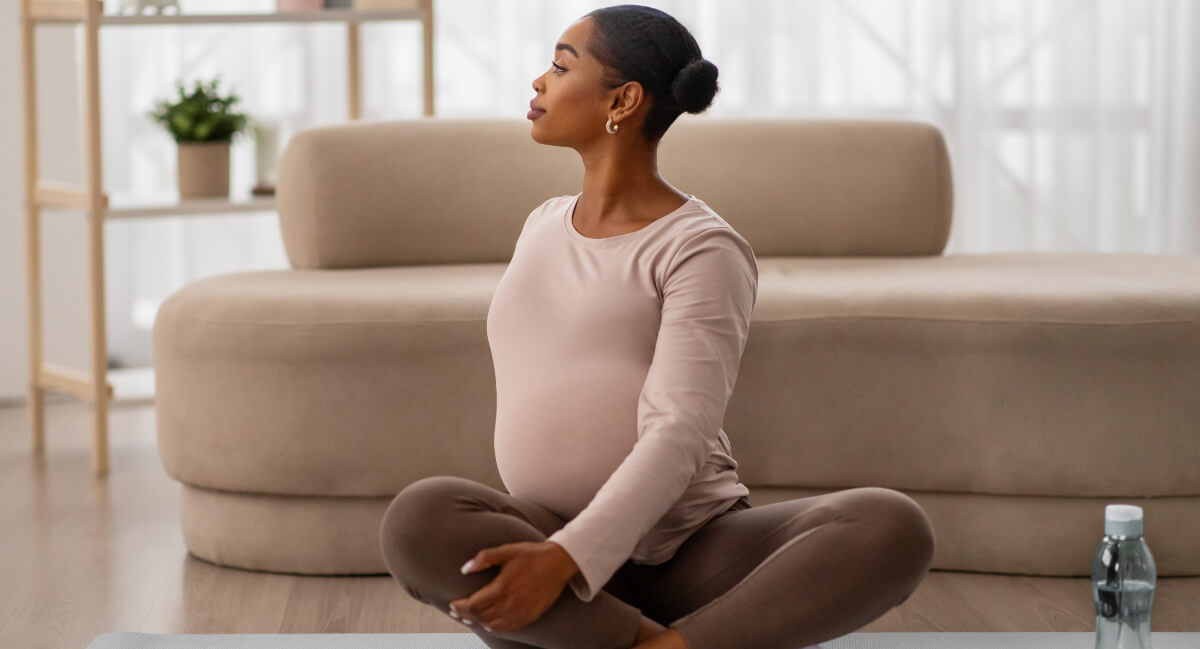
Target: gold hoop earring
610, 127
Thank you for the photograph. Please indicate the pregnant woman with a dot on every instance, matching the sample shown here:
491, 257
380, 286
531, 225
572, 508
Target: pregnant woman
616, 333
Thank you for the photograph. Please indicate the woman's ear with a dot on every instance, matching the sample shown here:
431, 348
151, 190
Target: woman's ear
628, 100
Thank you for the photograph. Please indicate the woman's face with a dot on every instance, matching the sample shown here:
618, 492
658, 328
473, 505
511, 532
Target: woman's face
573, 100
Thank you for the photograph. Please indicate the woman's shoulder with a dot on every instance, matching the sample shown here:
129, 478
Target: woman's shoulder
548, 206
555, 201
705, 224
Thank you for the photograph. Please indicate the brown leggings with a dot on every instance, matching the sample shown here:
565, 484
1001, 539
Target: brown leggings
778, 576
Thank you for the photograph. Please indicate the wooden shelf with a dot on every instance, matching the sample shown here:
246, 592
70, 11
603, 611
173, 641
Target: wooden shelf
325, 15
96, 385
317, 16
126, 206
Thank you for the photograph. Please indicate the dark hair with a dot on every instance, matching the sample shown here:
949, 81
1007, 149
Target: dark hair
649, 46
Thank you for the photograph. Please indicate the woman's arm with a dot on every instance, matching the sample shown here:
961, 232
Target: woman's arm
709, 292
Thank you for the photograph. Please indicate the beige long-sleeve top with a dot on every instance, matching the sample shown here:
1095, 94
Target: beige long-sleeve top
614, 361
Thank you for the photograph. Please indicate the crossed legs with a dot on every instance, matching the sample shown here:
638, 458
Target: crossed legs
776, 576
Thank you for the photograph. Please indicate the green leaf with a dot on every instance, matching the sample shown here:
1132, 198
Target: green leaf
200, 114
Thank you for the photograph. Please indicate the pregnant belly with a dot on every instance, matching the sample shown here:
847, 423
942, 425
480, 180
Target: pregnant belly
556, 443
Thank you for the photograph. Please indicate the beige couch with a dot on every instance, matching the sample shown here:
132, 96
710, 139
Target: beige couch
1012, 395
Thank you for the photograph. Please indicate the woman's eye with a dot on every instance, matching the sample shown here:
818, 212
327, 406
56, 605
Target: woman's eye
558, 66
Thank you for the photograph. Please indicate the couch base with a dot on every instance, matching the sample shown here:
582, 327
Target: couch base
1024, 535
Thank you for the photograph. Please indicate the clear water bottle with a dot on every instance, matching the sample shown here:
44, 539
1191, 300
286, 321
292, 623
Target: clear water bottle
1123, 579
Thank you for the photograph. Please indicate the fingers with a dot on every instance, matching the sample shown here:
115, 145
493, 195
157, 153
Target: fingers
483, 606
474, 564
479, 608
495, 615
491, 625
495, 626
480, 601
483, 559
489, 614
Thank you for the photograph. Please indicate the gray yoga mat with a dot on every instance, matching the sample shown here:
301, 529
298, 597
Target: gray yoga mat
1013, 640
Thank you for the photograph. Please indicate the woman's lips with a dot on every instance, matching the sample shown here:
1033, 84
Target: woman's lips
534, 114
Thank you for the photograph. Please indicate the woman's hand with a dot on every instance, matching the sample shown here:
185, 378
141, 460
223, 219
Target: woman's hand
532, 575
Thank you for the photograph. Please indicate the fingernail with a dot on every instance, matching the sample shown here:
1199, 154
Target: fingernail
467, 621
468, 565
454, 615
487, 627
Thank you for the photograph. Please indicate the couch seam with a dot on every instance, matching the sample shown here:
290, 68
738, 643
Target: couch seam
938, 189
422, 323
969, 321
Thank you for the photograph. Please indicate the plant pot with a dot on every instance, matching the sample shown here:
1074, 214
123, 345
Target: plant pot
298, 5
203, 169
387, 4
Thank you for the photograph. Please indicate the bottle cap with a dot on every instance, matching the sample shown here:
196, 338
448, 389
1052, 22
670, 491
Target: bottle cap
1123, 520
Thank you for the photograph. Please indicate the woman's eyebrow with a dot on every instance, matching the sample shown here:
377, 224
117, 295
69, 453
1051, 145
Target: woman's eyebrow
564, 46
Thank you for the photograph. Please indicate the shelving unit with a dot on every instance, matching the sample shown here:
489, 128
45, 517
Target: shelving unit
93, 385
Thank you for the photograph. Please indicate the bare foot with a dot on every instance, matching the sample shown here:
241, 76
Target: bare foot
648, 630
669, 639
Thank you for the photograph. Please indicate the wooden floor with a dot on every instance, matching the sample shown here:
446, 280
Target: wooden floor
81, 555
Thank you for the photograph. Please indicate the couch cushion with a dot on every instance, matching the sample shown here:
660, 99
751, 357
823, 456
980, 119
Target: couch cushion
1009, 373
920, 373
442, 191
342, 383
975, 532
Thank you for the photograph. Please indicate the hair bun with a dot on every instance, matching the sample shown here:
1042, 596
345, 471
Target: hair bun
695, 85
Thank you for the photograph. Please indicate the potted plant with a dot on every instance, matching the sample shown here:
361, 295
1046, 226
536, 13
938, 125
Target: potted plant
203, 127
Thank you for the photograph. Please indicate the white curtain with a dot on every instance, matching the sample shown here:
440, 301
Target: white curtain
1072, 124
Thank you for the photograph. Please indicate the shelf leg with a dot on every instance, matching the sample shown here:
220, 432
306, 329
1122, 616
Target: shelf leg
354, 92
96, 213
33, 247
427, 38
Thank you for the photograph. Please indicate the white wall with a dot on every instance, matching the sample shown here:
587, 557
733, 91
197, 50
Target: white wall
1086, 144
12, 328
64, 240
